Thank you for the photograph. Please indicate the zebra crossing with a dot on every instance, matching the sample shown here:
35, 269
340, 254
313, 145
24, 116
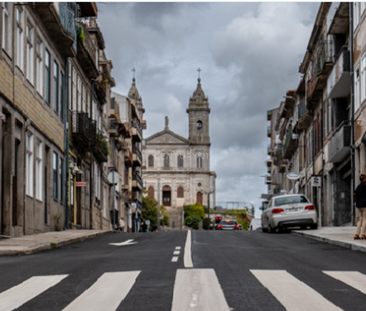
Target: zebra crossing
194, 290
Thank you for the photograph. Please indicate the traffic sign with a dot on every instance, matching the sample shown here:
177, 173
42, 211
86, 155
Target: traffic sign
316, 181
113, 177
147, 222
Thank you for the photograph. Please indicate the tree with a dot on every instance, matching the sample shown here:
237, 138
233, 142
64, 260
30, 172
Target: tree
165, 220
151, 212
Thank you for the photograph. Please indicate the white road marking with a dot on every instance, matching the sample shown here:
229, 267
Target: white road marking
293, 294
198, 290
354, 279
187, 251
175, 259
128, 242
177, 247
176, 252
18, 295
106, 293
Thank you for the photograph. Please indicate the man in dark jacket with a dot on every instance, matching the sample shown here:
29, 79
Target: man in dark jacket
359, 196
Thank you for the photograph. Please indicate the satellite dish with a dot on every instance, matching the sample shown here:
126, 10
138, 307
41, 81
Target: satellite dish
113, 177
293, 176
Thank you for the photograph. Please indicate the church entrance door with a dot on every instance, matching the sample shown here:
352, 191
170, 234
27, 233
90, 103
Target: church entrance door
199, 197
166, 196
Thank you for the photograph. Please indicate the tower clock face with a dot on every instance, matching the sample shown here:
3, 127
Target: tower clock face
199, 154
199, 125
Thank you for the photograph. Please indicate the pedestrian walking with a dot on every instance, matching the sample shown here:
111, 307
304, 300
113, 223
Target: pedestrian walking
121, 224
359, 196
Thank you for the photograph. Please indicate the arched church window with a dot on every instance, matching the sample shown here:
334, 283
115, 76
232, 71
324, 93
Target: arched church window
199, 125
151, 192
199, 159
166, 161
180, 161
151, 160
180, 192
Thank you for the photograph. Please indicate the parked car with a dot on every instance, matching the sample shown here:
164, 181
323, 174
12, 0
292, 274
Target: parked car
290, 210
255, 223
228, 225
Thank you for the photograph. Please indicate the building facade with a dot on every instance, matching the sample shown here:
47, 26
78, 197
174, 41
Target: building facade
327, 115
176, 169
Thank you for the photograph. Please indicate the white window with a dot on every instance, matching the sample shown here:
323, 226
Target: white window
363, 77
199, 161
20, 39
48, 76
79, 94
39, 66
356, 14
73, 89
29, 164
83, 106
55, 175
6, 28
30, 57
357, 88
39, 179
55, 86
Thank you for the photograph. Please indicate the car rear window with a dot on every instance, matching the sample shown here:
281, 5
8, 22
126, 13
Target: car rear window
290, 200
230, 222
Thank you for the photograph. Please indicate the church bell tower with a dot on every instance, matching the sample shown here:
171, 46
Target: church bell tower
199, 113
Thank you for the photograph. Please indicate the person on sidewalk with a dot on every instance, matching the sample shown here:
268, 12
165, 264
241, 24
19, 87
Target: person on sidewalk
359, 196
121, 224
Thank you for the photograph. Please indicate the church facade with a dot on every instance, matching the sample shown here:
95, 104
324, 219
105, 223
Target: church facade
177, 169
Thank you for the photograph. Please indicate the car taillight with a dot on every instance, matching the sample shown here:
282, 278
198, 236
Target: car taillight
277, 210
310, 207
236, 227
219, 226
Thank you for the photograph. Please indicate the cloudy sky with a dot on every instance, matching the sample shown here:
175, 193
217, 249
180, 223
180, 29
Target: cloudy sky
249, 53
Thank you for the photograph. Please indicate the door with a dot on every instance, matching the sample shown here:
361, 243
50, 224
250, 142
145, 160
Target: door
166, 196
199, 197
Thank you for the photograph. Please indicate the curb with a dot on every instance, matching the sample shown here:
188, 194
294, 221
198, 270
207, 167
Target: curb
52, 245
344, 244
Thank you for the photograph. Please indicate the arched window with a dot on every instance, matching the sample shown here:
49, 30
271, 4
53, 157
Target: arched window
199, 197
180, 161
151, 160
180, 192
199, 161
151, 192
166, 161
199, 125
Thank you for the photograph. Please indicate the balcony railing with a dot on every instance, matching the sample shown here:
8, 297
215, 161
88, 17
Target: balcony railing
289, 146
301, 109
269, 149
113, 126
137, 151
338, 146
67, 12
137, 125
269, 115
83, 129
137, 177
101, 148
269, 131
338, 83
136, 196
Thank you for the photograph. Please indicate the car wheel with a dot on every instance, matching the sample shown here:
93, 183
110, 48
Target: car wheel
314, 226
270, 229
264, 230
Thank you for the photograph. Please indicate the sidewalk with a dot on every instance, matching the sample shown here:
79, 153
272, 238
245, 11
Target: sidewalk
341, 236
28, 244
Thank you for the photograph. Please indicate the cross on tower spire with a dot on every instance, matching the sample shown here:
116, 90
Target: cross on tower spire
199, 71
133, 69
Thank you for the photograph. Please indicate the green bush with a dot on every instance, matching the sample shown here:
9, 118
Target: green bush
192, 221
194, 209
206, 223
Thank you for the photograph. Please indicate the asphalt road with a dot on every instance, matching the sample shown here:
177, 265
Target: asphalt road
243, 270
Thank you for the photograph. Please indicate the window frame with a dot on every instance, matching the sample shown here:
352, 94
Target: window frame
55, 175
39, 172
29, 139
30, 52
39, 66
47, 65
20, 38
56, 77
